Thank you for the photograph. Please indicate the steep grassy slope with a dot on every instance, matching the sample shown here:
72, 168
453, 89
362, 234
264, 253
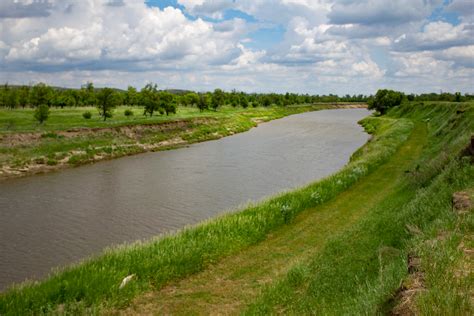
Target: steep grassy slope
360, 270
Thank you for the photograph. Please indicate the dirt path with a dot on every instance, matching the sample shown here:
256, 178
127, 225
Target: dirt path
231, 284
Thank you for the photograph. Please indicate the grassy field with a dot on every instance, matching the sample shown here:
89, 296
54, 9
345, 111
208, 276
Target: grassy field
379, 236
22, 120
67, 139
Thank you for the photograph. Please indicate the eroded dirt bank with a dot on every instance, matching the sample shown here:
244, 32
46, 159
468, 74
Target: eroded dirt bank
25, 152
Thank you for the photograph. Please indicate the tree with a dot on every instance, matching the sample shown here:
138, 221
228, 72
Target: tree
131, 96
106, 102
64, 99
217, 99
40, 94
385, 99
457, 97
244, 102
203, 103
266, 101
88, 94
190, 99
12, 98
42, 113
167, 102
150, 99
23, 95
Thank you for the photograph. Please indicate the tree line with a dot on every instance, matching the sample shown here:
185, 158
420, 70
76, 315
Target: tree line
88, 95
155, 101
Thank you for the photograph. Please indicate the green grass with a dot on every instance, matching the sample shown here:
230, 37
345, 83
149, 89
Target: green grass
360, 270
94, 283
22, 120
357, 271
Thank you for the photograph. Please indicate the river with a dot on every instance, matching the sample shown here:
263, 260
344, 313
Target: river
59, 218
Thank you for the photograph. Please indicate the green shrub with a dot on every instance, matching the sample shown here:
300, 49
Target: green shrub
128, 113
42, 113
87, 115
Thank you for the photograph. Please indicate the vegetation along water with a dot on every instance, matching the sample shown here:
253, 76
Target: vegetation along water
382, 235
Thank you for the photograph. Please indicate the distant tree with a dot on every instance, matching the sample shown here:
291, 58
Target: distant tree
149, 97
63, 99
411, 97
266, 101
384, 100
190, 99
42, 113
12, 99
203, 103
106, 102
457, 97
40, 94
244, 102
87, 93
23, 96
131, 96
218, 98
167, 102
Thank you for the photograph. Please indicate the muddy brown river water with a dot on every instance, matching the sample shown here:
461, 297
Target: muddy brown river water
59, 218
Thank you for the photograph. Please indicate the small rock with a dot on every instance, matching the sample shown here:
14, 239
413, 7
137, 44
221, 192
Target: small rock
126, 280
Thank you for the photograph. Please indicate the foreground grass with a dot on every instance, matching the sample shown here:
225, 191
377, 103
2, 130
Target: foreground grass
67, 139
360, 270
94, 284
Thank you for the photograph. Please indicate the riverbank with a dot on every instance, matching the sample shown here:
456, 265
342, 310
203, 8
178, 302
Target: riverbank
195, 248
68, 140
340, 245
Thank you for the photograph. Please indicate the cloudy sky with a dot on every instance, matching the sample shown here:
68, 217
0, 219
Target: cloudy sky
304, 46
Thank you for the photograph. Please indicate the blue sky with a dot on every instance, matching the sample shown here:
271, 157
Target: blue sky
304, 46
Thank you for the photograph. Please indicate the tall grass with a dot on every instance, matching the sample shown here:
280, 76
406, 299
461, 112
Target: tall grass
95, 282
360, 270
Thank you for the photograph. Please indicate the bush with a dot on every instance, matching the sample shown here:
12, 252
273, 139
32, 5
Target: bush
87, 115
42, 113
128, 113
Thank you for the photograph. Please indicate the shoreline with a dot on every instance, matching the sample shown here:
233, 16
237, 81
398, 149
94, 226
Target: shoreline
176, 132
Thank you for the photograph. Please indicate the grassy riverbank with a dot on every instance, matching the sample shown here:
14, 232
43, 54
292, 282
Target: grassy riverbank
67, 139
351, 243
94, 283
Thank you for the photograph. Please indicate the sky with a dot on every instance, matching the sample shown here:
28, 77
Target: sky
300, 46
